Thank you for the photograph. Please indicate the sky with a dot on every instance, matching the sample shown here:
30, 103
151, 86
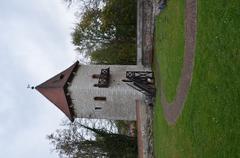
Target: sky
35, 44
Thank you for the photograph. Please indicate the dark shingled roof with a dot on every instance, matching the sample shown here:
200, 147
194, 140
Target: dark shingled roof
55, 90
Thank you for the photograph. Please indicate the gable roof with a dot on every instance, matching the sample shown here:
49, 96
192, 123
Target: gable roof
55, 90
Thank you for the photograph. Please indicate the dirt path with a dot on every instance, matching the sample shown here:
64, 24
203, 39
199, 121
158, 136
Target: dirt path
174, 109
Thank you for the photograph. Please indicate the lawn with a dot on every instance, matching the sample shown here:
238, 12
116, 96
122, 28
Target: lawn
210, 123
170, 40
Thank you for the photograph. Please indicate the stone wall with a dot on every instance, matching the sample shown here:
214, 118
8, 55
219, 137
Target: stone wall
120, 98
146, 20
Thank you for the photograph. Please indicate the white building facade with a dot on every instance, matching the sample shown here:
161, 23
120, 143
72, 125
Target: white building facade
94, 91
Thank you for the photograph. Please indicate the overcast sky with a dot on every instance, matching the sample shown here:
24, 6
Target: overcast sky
35, 44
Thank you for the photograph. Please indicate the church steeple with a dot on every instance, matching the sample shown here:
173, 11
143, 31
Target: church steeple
55, 90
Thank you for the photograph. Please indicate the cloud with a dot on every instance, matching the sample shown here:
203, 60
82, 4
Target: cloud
35, 44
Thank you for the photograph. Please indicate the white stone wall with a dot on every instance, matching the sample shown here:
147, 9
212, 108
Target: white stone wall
120, 98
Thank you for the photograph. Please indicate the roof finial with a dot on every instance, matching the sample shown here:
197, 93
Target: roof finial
29, 86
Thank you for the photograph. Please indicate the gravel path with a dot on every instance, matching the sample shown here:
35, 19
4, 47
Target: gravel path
174, 109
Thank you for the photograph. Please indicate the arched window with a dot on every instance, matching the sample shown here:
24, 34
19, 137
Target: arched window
100, 98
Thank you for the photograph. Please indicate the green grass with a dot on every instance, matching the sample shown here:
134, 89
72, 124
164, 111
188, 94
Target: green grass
209, 126
170, 46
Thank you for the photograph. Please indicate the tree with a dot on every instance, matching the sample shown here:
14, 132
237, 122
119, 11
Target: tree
75, 141
107, 33
122, 53
122, 16
88, 35
104, 26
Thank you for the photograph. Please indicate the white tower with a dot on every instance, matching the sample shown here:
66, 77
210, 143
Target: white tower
94, 91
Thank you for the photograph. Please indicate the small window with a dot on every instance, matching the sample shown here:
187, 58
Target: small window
61, 76
98, 108
95, 76
100, 98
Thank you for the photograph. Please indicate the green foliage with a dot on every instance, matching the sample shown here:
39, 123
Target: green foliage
122, 16
209, 125
88, 140
119, 53
108, 31
115, 145
124, 127
88, 35
170, 46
